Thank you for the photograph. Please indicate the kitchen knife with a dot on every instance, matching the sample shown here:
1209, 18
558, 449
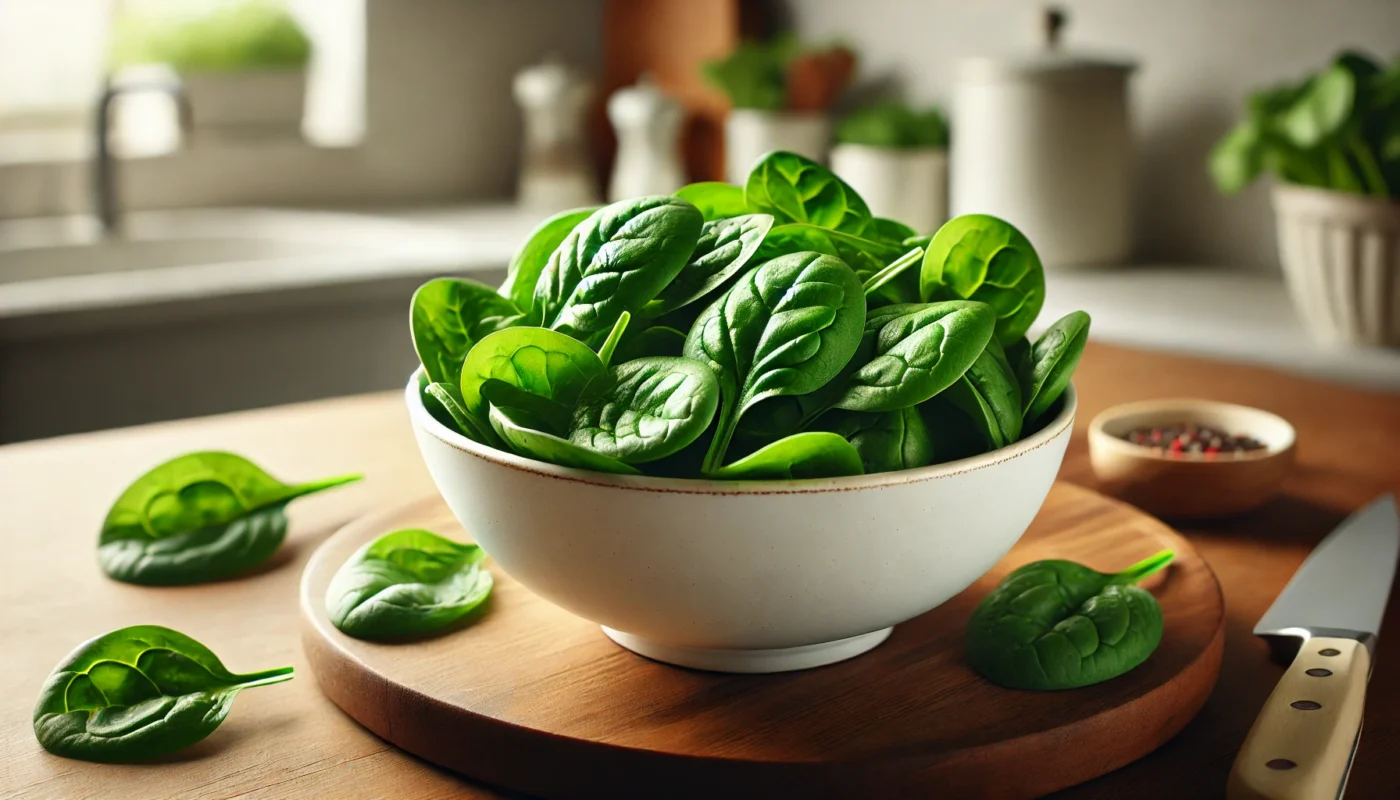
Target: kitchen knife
1303, 741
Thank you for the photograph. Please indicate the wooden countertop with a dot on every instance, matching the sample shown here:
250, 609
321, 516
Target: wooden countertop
289, 741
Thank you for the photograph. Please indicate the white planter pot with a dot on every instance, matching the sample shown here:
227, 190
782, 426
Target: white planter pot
1341, 259
750, 133
908, 185
270, 102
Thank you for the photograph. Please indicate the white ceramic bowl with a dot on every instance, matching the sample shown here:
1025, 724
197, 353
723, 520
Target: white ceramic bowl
744, 577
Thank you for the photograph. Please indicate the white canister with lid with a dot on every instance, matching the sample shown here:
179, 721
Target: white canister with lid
1044, 141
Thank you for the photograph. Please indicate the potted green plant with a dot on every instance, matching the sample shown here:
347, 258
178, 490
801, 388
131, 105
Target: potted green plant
1333, 142
897, 159
243, 65
779, 94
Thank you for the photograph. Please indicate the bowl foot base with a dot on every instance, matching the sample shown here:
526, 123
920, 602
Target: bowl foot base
782, 659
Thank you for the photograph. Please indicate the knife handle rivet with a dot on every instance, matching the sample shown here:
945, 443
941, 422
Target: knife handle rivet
1330, 651
1280, 763
1306, 705
1319, 672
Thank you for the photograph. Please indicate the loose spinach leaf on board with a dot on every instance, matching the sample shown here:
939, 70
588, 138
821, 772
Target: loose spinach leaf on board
541, 446
980, 257
887, 441
529, 261
990, 395
654, 407
1051, 363
715, 199
812, 454
407, 583
725, 247
138, 693
449, 315
797, 189
617, 260
539, 361
1061, 625
786, 328
915, 352
200, 517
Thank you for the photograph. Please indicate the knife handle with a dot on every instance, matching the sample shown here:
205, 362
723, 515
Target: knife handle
1302, 742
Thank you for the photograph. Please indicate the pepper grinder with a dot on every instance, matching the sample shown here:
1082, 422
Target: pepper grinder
555, 172
648, 125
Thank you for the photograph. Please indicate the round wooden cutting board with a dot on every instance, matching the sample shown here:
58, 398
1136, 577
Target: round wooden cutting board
534, 699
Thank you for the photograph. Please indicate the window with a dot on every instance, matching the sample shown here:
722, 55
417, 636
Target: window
53, 55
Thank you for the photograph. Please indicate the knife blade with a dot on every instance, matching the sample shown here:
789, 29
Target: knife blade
1302, 743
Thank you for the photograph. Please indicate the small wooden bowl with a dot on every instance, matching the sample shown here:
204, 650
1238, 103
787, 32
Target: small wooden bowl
1175, 486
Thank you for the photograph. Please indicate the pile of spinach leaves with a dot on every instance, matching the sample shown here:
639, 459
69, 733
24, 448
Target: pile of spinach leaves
1336, 129
768, 331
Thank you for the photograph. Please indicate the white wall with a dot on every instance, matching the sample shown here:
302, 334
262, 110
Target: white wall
1198, 59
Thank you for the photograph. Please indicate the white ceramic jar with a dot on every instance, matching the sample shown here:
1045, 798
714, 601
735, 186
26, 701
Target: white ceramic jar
749, 133
908, 184
1341, 259
1044, 142
647, 122
556, 172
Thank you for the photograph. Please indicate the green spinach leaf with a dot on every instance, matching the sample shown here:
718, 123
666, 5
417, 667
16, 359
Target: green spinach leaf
449, 315
980, 257
715, 199
1061, 625
887, 441
1051, 363
890, 230
547, 447
138, 693
915, 352
444, 403
539, 361
812, 454
725, 247
529, 261
201, 517
654, 407
795, 189
786, 328
407, 583
652, 340
617, 260
990, 395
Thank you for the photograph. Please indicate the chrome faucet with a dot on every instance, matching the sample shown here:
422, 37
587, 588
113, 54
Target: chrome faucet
105, 203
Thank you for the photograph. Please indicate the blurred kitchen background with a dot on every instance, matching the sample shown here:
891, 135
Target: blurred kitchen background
210, 205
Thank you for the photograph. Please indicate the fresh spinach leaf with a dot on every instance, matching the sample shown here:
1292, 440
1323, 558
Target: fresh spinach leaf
1052, 362
653, 340
617, 260
605, 351
138, 693
444, 402
407, 583
812, 454
552, 449
949, 431
539, 361
654, 407
200, 517
1061, 625
449, 315
907, 263
980, 257
725, 247
529, 261
890, 230
887, 441
915, 352
715, 199
990, 395
795, 189
787, 327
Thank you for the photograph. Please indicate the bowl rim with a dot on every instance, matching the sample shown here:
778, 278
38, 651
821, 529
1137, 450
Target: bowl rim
423, 421
1188, 405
